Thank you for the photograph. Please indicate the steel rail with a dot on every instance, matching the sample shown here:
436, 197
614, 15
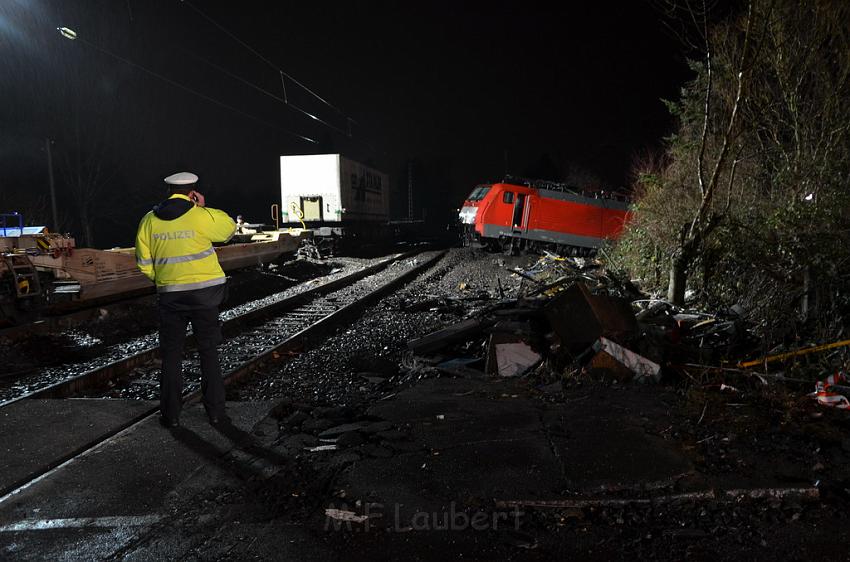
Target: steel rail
101, 375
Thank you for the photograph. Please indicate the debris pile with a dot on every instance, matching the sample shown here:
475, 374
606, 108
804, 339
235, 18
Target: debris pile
572, 316
568, 313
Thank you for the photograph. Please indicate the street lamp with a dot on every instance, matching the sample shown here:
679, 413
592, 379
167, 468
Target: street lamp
67, 33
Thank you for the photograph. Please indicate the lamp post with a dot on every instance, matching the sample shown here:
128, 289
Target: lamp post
70, 34
47, 143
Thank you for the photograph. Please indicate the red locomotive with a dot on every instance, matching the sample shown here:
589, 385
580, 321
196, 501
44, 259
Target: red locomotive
532, 214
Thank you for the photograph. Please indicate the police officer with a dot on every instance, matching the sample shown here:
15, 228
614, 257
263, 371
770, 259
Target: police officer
174, 249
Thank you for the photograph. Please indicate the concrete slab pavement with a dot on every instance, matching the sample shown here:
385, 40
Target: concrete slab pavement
479, 441
39, 434
102, 502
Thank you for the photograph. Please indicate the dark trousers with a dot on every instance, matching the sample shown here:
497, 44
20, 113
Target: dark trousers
176, 310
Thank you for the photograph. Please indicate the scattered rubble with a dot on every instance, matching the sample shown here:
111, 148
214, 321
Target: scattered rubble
563, 317
574, 318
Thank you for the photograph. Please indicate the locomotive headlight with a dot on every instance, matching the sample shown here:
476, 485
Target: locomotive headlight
467, 215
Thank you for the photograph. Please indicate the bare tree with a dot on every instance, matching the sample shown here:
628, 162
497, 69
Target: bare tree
710, 168
750, 202
88, 161
87, 174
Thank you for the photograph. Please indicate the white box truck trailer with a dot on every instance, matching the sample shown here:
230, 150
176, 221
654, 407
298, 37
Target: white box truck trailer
332, 190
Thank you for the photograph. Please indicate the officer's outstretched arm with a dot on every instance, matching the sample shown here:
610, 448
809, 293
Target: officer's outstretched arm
221, 226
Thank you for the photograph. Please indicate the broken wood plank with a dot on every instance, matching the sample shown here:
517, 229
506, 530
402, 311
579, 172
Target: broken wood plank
805, 493
448, 335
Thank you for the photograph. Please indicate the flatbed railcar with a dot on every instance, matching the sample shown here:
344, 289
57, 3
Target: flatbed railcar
537, 214
42, 271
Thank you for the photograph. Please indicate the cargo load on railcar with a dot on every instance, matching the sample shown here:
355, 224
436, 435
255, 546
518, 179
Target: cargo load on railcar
333, 195
41, 270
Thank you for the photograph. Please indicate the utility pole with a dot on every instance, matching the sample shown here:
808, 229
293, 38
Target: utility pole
410, 190
47, 143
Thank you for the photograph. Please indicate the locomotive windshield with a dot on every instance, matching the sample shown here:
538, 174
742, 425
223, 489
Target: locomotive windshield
478, 193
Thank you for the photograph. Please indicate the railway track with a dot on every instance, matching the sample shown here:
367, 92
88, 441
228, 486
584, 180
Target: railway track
69, 380
308, 317
72, 316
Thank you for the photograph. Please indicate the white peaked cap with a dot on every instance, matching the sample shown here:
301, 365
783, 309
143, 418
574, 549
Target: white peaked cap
181, 178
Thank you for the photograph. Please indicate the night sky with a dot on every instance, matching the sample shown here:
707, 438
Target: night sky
464, 90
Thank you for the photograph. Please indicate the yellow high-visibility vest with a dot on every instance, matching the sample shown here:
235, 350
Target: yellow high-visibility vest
178, 254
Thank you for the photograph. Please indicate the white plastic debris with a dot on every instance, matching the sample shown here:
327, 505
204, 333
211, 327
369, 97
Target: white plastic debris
513, 359
828, 397
343, 515
321, 448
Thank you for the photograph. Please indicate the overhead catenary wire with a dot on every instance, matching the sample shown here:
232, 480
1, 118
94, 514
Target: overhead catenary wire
69, 34
265, 92
285, 100
282, 72
349, 121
